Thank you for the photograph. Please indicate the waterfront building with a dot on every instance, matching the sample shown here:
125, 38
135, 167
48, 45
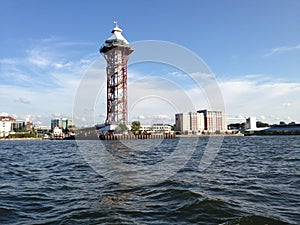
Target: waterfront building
64, 123
182, 122
42, 129
5, 126
54, 123
156, 128
18, 125
58, 133
161, 128
250, 123
191, 122
7, 118
214, 120
10, 125
145, 128
29, 126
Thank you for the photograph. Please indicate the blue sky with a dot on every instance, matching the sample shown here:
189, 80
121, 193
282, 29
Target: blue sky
252, 47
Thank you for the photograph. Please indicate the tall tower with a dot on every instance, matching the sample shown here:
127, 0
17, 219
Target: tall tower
116, 51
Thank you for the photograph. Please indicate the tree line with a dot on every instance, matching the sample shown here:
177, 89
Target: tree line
241, 126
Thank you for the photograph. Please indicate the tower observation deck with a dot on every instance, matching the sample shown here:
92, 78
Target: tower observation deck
116, 51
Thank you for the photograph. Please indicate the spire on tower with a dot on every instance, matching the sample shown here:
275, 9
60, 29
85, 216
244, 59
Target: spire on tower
116, 22
117, 28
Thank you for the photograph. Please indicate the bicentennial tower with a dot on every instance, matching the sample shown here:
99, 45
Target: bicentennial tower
116, 51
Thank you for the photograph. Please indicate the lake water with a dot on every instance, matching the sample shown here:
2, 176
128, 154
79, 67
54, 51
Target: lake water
252, 180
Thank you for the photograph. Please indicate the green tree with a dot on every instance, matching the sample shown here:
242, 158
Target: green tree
236, 126
121, 128
261, 124
135, 127
173, 127
282, 123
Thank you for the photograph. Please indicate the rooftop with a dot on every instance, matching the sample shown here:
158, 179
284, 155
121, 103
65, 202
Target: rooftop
115, 40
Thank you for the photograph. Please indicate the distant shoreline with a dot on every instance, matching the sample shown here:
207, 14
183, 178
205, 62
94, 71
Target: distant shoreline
177, 136
207, 135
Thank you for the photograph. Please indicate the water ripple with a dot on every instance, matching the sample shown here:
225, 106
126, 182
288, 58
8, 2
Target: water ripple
253, 180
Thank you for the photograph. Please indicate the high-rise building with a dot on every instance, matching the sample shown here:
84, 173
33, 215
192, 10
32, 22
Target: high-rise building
18, 125
5, 126
251, 123
54, 123
214, 121
62, 123
191, 122
116, 51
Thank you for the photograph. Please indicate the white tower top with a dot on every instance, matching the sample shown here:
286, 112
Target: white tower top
117, 35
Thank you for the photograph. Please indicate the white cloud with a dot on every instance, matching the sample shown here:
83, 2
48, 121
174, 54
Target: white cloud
203, 76
163, 117
39, 57
283, 49
44, 81
272, 99
250, 95
141, 117
4, 114
157, 99
178, 74
58, 65
287, 104
8, 61
47, 78
23, 100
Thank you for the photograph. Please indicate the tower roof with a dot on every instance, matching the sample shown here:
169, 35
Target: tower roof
115, 40
117, 35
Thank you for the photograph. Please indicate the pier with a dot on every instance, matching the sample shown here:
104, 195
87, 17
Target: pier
135, 137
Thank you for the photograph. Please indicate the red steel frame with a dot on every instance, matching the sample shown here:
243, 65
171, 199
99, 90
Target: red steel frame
117, 58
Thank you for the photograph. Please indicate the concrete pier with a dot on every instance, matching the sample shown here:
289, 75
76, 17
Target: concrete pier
137, 136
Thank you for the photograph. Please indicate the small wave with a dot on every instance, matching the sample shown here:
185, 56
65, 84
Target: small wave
7, 214
254, 219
